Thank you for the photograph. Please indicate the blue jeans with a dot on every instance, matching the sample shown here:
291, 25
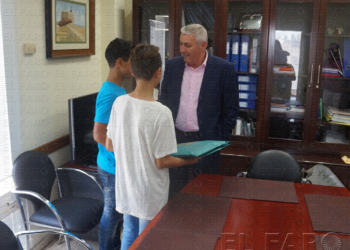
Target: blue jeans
110, 224
133, 226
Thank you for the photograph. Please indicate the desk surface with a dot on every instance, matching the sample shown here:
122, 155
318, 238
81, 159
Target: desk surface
259, 224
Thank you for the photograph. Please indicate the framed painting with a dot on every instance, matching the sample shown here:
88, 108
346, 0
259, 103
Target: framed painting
70, 28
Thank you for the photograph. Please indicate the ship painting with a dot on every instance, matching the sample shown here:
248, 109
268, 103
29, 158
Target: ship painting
70, 22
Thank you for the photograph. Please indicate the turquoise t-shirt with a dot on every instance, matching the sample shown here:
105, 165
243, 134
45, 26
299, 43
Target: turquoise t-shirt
105, 99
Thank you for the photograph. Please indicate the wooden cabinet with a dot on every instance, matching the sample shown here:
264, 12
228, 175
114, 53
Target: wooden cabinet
297, 74
333, 51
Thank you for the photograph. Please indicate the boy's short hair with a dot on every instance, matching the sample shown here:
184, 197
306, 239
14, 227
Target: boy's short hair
116, 49
145, 60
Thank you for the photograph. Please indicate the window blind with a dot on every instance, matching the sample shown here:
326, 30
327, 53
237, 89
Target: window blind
5, 144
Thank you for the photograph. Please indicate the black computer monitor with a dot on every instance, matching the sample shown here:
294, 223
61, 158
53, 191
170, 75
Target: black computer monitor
83, 148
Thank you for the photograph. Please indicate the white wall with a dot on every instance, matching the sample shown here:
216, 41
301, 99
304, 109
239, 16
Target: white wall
45, 85
112, 16
128, 20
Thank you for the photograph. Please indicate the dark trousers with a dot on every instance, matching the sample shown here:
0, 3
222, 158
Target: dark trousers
179, 177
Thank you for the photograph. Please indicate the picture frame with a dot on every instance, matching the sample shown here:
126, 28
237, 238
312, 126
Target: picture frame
69, 28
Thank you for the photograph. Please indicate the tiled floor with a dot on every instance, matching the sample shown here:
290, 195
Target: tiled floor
73, 245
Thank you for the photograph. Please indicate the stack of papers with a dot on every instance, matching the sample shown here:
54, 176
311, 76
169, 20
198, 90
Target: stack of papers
330, 72
337, 116
199, 148
300, 109
275, 107
283, 69
279, 107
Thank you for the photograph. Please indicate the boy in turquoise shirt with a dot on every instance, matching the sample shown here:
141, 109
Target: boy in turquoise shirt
118, 57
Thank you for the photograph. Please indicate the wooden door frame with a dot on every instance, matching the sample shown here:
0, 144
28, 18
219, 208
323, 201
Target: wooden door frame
260, 102
312, 54
332, 147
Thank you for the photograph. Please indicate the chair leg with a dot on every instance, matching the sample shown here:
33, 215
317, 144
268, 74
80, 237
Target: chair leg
59, 240
67, 242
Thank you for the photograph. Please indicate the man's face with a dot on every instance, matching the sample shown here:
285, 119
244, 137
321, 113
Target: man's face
189, 48
126, 69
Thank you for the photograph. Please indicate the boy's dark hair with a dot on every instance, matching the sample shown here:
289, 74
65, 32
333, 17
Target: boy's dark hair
116, 49
145, 60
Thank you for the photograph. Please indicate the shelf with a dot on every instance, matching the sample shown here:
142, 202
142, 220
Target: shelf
296, 116
247, 73
339, 36
336, 86
285, 74
324, 122
247, 110
243, 138
149, 30
336, 78
253, 32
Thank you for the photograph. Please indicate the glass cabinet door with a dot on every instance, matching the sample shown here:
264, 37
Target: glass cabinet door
153, 21
332, 105
200, 12
243, 49
291, 67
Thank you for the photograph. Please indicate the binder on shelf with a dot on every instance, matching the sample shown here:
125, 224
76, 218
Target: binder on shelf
238, 126
244, 55
228, 48
243, 104
254, 56
248, 79
235, 51
249, 87
250, 60
251, 96
320, 115
346, 58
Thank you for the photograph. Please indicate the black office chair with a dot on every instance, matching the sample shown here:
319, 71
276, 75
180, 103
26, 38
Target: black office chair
78, 210
10, 241
274, 165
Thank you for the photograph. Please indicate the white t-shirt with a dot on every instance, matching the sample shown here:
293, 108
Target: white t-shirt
141, 131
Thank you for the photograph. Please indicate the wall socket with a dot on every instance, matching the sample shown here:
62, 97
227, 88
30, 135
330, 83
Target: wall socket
29, 48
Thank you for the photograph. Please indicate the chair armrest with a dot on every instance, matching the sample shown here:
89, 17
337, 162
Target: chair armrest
242, 174
45, 201
305, 181
82, 172
50, 231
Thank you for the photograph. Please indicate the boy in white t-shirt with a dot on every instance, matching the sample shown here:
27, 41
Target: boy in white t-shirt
141, 133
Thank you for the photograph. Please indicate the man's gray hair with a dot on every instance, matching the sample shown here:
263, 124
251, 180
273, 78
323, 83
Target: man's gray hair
198, 30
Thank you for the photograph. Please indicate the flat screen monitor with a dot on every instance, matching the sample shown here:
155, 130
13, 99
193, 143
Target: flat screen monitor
83, 148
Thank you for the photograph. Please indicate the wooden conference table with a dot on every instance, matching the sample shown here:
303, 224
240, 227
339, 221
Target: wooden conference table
258, 224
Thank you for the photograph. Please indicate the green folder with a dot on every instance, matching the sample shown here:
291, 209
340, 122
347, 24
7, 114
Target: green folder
199, 148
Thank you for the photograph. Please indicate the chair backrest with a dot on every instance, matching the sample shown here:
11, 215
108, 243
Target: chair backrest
275, 165
78, 183
34, 171
7, 238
